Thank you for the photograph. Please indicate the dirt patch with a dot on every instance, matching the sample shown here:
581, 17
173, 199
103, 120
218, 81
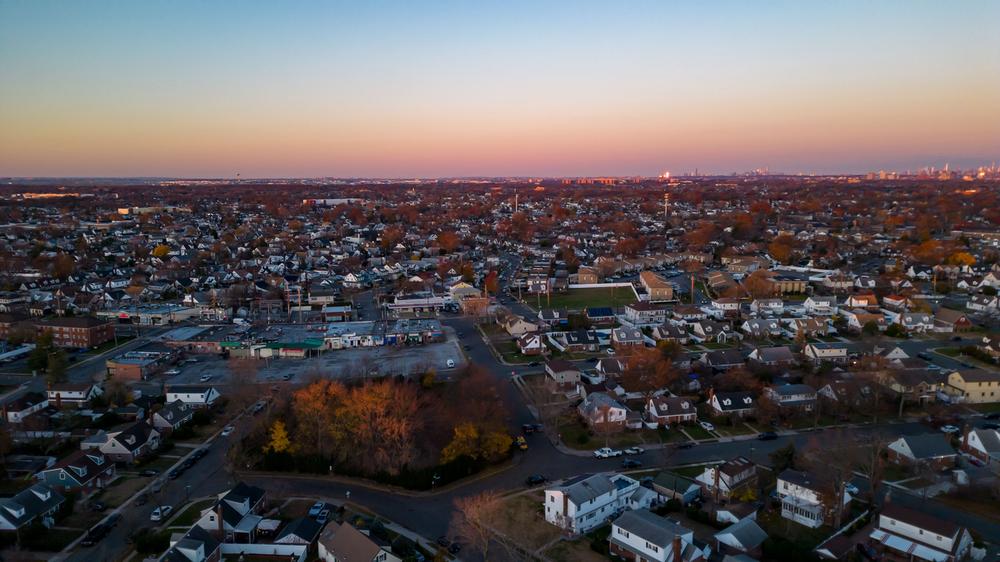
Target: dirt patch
296, 508
520, 518
573, 551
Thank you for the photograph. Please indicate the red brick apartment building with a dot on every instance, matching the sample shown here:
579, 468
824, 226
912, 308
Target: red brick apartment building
77, 332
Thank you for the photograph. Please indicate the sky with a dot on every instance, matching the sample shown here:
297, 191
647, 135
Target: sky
378, 88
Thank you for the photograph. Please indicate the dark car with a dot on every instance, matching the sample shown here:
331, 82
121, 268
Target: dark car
992, 416
685, 445
535, 480
631, 463
767, 436
990, 425
150, 472
534, 364
443, 541
454, 548
188, 463
924, 355
199, 454
142, 499
95, 534
527, 428
113, 519
174, 474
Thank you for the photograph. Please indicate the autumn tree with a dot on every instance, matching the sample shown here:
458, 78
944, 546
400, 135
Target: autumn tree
782, 248
449, 241
648, 371
161, 251
475, 522
279, 441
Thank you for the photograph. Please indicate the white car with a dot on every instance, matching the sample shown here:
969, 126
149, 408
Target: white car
949, 429
607, 453
161, 513
172, 372
227, 431
706, 426
611, 351
635, 451
851, 489
450, 363
205, 378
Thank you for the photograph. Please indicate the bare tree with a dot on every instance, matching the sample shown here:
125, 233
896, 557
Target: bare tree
475, 519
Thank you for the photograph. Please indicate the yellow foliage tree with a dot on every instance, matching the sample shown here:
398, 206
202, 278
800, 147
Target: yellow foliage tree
464, 442
495, 444
279, 443
161, 251
962, 258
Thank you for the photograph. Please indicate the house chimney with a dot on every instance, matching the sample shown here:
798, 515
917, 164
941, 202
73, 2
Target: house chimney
677, 548
218, 516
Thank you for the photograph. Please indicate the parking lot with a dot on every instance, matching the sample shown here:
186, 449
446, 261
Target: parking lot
342, 364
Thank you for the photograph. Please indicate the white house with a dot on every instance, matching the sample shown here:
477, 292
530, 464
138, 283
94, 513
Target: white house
802, 499
73, 393
587, 501
643, 535
768, 306
832, 352
728, 477
916, 535
193, 396
820, 306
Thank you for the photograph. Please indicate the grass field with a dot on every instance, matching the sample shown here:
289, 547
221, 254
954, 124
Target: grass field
191, 513
520, 518
581, 299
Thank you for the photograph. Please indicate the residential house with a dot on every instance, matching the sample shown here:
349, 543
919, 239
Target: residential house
722, 359
673, 486
602, 412
562, 373
235, 515
832, 352
517, 326
20, 408
908, 534
797, 396
68, 393
710, 331
974, 386
530, 344
625, 338
172, 416
948, 320
196, 545
820, 306
729, 479
773, 307
341, 542
586, 502
745, 537
689, 313
866, 301
983, 444
666, 410
643, 535
804, 500
81, 471
779, 356
759, 328
580, 340
643, 313
731, 403
916, 322
601, 315
670, 332
37, 502
193, 395
928, 449
127, 445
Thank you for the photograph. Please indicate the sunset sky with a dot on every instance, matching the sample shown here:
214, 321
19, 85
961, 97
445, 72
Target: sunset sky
471, 88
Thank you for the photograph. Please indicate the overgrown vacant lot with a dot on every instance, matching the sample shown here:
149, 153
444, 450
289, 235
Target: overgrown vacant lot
520, 518
581, 299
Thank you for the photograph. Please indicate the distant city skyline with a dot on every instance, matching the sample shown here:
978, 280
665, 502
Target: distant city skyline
395, 89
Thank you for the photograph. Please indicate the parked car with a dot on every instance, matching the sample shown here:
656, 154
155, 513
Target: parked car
685, 445
316, 508
97, 506
174, 474
227, 431
199, 454
631, 463
161, 513
992, 416
150, 472
157, 486
113, 519
142, 499
851, 489
454, 548
534, 364
522, 443
635, 451
450, 363
990, 425
172, 372
706, 426
323, 517
443, 542
607, 453
205, 378
950, 429
535, 480
95, 534
767, 436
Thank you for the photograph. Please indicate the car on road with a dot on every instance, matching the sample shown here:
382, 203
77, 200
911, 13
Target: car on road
97, 506
172, 372
187, 463
467, 347
443, 542
259, 406
161, 513
685, 445
227, 431
990, 425
142, 499
323, 517
205, 378
851, 489
175, 473
706, 426
316, 508
95, 534
522, 443
450, 363
631, 463
924, 355
635, 451
199, 454
610, 351
607, 453
113, 519
535, 480
534, 364
992, 416
767, 436
950, 429
529, 428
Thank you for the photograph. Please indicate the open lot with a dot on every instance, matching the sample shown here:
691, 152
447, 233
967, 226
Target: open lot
581, 299
342, 363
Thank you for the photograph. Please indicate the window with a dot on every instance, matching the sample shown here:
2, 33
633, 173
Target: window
652, 547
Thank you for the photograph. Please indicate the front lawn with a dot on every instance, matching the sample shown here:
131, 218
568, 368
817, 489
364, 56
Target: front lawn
697, 432
191, 513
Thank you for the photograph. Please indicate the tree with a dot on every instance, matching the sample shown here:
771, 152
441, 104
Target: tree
39, 358
161, 251
55, 371
279, 442
758, 284
448, 241
475, 521
648, 371
465, 442
870, 328
783, 458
